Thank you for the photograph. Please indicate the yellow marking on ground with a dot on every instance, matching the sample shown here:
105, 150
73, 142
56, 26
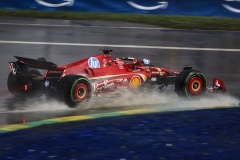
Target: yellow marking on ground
71, 118
138, 111
14, 127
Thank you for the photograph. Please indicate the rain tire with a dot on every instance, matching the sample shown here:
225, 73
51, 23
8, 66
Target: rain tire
74, 89
191, 84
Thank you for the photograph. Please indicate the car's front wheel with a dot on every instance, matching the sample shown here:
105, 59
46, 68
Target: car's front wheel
191, 84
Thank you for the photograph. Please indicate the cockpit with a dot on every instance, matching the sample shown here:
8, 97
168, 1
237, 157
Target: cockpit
129, 63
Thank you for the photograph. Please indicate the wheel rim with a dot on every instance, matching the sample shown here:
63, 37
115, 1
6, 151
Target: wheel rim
195, 85
80, 92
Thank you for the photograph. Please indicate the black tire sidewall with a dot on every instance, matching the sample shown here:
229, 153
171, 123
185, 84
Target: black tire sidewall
181, 84
66, 89
15, 85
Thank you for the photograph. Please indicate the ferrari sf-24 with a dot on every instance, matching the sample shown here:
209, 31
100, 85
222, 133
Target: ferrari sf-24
77, 82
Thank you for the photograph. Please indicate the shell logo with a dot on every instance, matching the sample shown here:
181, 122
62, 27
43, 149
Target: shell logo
135, 82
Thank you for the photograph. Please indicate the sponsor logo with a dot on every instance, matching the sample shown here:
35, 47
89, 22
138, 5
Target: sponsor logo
93, 62
154, 72
154, 79
135, 82
46, 83
230, 7
161, 5
63, 3
99, 88
122, 80
14, 68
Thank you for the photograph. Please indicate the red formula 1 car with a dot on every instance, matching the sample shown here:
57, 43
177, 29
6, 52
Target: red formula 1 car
76, 82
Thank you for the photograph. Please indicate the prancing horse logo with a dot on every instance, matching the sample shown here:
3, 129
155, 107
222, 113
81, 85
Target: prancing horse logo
64, 3
161, 5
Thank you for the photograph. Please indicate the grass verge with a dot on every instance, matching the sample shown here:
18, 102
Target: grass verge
177, 22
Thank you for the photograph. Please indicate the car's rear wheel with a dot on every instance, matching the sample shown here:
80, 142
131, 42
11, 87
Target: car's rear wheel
15, 85
74, 89
191, 84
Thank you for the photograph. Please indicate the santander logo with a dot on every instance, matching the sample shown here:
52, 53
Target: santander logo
61, 4
160, 5
229, 5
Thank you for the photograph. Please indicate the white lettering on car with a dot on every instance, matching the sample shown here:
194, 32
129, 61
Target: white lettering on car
122, 80
99, 88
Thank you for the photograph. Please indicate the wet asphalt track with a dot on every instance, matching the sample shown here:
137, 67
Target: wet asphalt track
201, 134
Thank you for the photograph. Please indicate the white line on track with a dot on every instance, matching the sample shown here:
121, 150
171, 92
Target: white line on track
79, 26
121, 46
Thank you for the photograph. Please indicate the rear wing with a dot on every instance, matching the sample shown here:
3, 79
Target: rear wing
35, 63
22, 65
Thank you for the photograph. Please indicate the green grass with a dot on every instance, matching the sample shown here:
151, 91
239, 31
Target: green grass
177, 22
